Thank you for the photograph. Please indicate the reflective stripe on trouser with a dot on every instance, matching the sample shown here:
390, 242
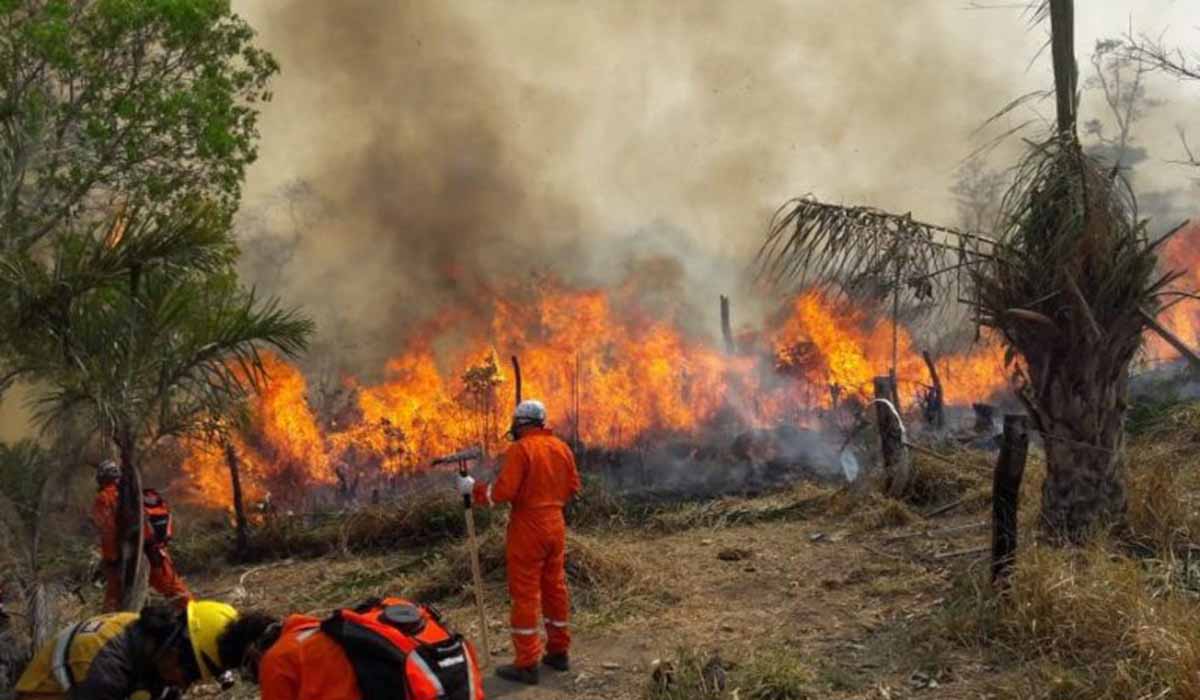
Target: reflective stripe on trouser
537, 582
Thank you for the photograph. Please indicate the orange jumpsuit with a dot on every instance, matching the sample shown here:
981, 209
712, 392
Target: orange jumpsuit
538, 477
305, 664
163, 577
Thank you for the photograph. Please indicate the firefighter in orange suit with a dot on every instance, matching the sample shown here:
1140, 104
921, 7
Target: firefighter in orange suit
538, 477
105, 516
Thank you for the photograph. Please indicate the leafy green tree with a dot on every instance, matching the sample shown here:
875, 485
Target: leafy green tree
143, 103
111, 111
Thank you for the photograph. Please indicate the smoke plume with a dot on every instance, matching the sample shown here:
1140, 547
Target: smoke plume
448, 148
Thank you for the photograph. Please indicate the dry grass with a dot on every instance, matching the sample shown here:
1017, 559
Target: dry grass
607, 582
935, 482
867, 510
379, 528
1119, 619
1163, 515
798, 502
770, 674
1088, 624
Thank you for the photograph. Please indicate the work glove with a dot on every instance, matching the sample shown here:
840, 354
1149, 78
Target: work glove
465, 485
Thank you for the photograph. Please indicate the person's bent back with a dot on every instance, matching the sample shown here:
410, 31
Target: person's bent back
382, 649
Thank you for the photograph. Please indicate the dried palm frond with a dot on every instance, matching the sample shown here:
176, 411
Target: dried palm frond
858, 249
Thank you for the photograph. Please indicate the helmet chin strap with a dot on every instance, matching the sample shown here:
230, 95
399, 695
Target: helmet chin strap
521, 425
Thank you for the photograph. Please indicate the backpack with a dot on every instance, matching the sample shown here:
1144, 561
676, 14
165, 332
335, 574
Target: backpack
159, 528
401, 650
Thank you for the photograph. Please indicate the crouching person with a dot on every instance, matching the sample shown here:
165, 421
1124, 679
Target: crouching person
160, 651
380, 650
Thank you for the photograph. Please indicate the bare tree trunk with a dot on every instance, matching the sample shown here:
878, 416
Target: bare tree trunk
935, 405
896, 463
242, 545
1066, 73
516, 364
1006, 495
130, 519
726, 326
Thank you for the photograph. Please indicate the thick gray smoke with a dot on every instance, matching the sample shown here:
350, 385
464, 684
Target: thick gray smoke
456, 146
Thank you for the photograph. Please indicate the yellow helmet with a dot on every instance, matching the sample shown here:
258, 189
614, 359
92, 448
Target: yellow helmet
206, 620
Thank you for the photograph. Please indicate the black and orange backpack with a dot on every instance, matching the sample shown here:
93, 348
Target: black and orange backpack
396, 644
159, 528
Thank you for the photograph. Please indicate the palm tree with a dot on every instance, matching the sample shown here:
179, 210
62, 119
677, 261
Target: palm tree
1069, 282
31, 476
168, 352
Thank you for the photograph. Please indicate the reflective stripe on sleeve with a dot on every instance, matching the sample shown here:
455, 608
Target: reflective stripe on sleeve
557, 623
62, 657
523, 631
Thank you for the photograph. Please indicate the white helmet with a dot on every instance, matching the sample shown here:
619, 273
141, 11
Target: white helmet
529, 412
108, 471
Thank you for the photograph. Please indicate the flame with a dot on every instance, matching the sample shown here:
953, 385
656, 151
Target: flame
288, 448
610, 374
1182, 317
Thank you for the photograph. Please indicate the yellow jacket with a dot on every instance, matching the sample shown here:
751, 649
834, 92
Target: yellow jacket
67, 661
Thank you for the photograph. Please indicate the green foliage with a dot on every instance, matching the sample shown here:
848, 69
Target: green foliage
149, 103
23, 473
163, 355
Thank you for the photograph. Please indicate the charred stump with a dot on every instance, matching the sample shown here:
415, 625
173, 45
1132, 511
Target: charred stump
985, 418
896, 462
1006, 495
727, 326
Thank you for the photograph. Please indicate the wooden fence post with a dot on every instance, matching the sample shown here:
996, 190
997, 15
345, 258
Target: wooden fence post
1006, 495
896, 463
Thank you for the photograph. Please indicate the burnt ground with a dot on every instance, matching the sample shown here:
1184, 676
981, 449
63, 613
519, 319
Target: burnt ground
851, 595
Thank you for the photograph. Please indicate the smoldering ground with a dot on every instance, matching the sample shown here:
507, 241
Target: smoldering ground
456, 146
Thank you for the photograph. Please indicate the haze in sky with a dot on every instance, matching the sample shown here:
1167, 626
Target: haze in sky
455, 144
444, 147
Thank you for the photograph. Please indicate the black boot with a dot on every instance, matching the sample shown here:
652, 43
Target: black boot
516, 674
558, 661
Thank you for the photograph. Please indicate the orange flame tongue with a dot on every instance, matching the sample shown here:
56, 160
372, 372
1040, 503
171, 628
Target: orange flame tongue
632, 378
1181, 253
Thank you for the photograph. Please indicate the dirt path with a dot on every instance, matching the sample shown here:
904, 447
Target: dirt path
843, 602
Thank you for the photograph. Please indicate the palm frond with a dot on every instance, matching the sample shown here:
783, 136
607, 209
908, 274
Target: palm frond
852, 248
